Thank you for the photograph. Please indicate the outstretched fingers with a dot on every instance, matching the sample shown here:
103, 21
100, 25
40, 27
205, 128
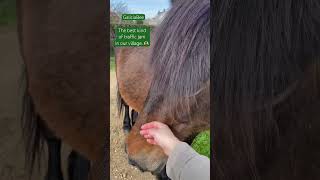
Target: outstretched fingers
147, 136
153, 124
148, 132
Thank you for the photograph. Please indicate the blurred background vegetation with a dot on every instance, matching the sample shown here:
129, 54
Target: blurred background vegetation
7, 12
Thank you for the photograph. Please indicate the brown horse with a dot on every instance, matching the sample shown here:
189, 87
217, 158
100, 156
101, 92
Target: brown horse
133, 75
169, 82
131, 65
64, 47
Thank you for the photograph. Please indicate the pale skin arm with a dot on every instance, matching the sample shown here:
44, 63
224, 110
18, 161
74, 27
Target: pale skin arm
159, 134
183, 162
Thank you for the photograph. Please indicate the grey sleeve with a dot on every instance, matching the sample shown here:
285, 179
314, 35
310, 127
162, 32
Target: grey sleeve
184, 163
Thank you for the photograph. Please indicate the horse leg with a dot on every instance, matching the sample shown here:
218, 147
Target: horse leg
134, 115
54, 162
78, 166
126, 121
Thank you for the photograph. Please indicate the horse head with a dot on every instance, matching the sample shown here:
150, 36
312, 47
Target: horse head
179, 90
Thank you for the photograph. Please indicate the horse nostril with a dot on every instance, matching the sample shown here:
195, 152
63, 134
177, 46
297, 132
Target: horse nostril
161, 173
132, 162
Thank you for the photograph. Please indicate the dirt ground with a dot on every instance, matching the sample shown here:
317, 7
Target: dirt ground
119, 167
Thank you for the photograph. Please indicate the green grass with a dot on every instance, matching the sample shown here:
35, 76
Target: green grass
112, 63
201, 143
7, 12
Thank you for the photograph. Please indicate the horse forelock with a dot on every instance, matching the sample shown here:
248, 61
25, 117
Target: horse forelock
180, 58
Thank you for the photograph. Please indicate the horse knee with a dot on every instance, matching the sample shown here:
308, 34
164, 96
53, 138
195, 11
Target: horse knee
126, 125
126, 121
134, 115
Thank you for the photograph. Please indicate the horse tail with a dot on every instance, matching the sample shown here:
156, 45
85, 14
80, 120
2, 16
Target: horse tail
32, 131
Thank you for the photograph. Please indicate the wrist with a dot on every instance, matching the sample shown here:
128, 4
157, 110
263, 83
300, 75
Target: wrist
171, 146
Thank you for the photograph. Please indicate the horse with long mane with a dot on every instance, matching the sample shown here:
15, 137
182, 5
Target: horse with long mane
265, 89
64, 48
265, 76
173, 84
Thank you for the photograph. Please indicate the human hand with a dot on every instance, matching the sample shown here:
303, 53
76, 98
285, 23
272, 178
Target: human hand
159, 134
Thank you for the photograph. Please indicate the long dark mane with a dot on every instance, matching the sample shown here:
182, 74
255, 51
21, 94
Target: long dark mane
180, 57
265, 89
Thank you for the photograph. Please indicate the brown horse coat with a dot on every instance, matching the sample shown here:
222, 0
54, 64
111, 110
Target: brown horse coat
133, 75
64, 47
